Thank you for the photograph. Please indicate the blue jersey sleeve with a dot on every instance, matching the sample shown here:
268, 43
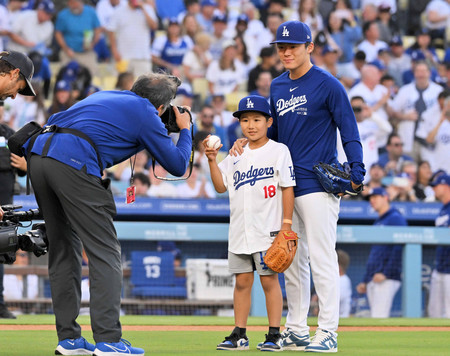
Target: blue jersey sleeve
344, 117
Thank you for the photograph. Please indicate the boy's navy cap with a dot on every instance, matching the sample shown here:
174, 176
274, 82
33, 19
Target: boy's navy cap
242, 18
47, 6
63, 85
293, 32
328, 49
440, 178
220, 18
208, 3
396, 41
378, 191
25, 65
253, 103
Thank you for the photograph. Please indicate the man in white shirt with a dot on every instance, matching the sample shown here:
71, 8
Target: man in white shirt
129, 36
374, 94
435, 130
32, 28
371, 44
408, 106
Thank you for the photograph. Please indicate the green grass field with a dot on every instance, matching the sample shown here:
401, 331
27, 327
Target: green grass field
398, 343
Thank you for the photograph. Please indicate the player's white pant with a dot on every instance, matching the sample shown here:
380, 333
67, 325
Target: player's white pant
315, 221
380, 297
439, 301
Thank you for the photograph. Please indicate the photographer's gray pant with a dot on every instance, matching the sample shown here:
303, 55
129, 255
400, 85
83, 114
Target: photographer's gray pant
78, 212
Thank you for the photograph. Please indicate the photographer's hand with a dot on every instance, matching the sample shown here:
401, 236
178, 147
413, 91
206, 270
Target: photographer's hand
183, 120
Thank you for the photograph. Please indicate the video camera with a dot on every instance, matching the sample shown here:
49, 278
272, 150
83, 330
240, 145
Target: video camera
34, 240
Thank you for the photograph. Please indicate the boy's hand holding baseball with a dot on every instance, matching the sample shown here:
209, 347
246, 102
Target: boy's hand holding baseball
211, 152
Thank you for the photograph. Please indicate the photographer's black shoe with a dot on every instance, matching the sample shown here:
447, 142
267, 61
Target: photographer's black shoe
5, 313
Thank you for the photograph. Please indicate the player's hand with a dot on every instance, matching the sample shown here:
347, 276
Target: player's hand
378, 277
183, 119
238, 147
361, 288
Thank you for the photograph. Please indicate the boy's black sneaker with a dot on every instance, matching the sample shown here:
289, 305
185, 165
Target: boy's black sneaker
273, 343
234, 342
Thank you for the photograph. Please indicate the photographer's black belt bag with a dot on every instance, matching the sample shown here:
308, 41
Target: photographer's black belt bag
32, 130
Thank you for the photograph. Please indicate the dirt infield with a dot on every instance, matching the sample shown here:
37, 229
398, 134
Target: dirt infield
227, 328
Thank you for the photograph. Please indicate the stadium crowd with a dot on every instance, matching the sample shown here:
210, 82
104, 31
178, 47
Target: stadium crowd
392, 57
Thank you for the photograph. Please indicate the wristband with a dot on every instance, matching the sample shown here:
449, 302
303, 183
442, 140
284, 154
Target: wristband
287, 221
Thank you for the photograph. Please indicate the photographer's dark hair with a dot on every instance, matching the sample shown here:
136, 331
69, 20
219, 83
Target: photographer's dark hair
158, 88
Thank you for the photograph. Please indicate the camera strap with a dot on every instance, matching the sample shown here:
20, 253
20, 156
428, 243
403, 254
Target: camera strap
191, 162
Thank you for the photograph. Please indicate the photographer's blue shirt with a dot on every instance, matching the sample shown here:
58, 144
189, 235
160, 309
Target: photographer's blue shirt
386, 259
120, 123
443, 252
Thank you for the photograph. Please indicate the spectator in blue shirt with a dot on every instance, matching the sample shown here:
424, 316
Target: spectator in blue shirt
382, 278
77, 31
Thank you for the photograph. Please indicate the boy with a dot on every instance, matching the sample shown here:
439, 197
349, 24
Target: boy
260, 185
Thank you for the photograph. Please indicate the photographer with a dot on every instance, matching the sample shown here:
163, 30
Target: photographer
78, 206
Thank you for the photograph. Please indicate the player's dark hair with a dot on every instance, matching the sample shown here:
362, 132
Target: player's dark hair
158, 88
5, 67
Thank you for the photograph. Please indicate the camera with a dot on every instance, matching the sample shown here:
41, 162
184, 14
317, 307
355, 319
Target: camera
170, 121
34, 240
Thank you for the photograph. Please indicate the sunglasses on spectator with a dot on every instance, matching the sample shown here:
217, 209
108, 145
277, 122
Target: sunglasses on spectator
398, 144
357, 109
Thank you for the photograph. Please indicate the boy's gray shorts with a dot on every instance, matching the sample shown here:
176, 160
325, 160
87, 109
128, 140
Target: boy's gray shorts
241, 263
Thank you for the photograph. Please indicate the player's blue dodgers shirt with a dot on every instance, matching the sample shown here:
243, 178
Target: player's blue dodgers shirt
443, 252
306, 114
386, 259
120, 123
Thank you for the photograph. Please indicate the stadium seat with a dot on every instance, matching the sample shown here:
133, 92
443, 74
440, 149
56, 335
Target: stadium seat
232, 99
153, 275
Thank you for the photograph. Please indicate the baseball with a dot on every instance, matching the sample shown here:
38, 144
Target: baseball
214, 142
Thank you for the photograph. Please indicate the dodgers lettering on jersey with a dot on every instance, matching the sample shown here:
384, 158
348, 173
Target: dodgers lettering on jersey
307, 112
254, 181
252, 175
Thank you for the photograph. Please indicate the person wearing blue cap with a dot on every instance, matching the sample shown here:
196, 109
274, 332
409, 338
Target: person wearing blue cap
382, 278
260, 186
306, 122
308, 104
439, 300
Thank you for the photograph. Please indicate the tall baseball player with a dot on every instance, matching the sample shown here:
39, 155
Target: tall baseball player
308, 105
439, 302
260, 184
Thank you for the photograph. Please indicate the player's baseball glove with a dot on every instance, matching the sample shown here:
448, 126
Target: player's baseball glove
335, 178
279, 256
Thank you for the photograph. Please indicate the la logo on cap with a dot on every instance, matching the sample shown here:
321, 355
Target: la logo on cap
250, 103
285, 32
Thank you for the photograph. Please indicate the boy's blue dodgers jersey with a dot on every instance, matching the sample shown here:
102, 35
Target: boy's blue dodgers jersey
306, 113
121, 123
254, 180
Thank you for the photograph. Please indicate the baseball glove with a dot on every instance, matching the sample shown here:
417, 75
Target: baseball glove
335, 178
279, 256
